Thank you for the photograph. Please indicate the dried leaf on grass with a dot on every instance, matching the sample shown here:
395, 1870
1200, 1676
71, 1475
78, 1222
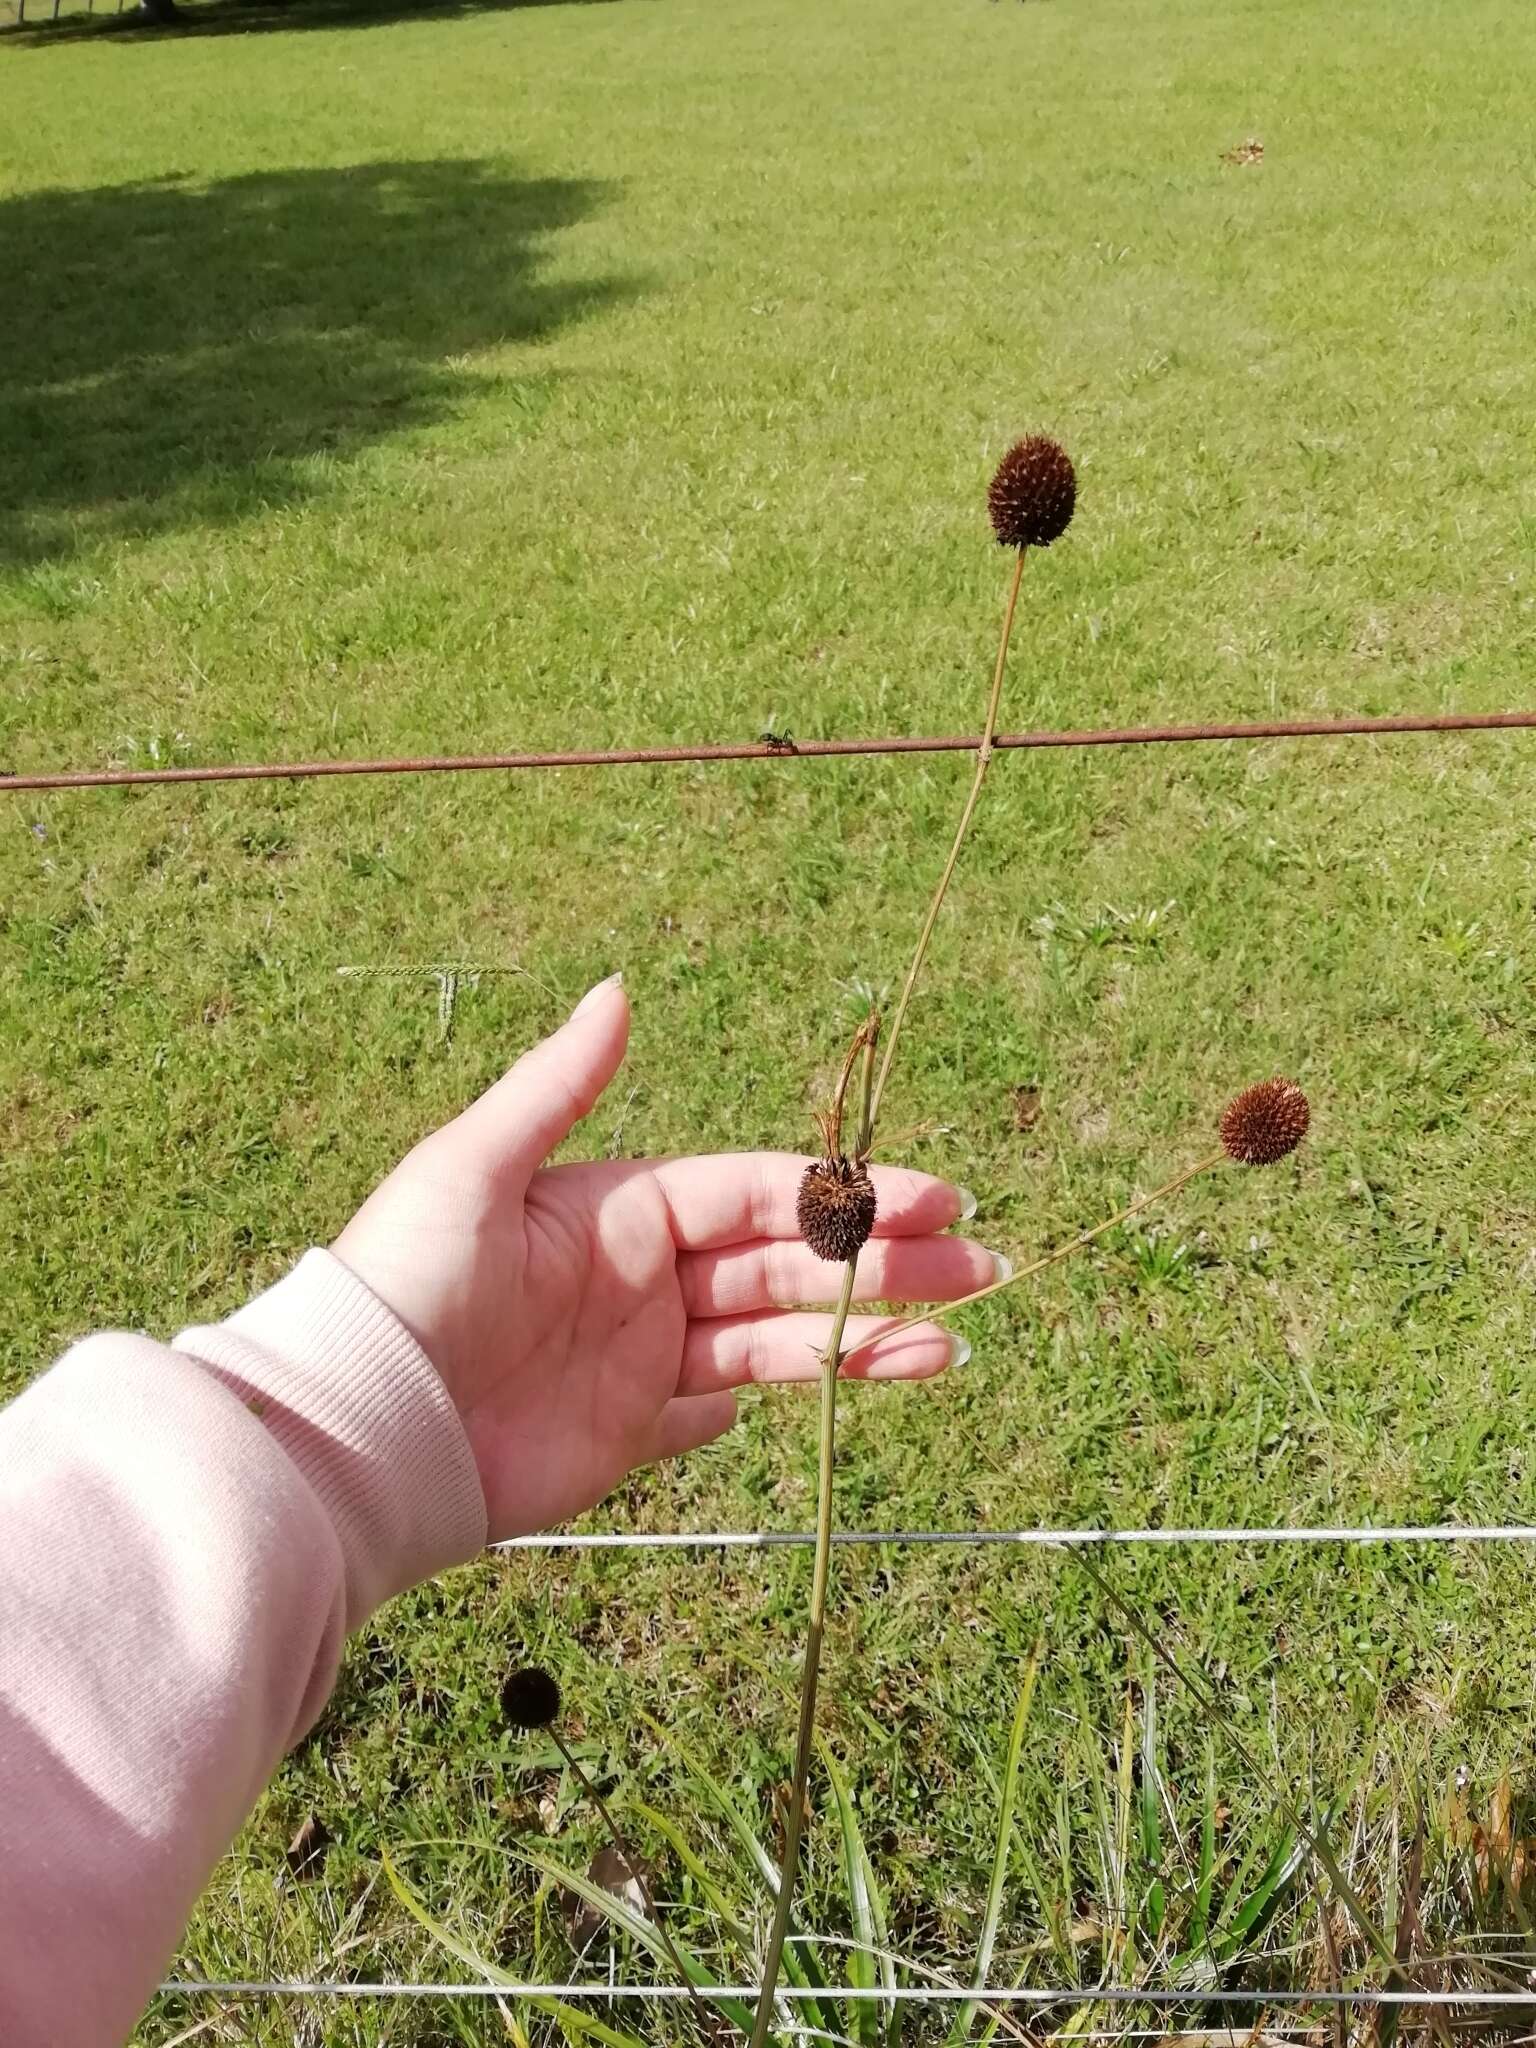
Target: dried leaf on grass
1501, 1860
1249, 152
781, 1797
305, 1854
617, 1877
1026, 1107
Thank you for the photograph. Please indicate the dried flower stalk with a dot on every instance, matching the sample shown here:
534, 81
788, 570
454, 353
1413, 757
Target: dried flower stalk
531, 1699
1031, 502
1259, 1127
831, 1359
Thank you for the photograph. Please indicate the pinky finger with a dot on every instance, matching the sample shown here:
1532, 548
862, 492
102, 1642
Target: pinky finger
688, 1422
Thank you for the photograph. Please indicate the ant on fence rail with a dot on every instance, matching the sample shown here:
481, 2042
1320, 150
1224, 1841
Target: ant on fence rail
778, 742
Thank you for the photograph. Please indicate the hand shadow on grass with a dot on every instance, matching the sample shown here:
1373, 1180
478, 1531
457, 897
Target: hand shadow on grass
177, 353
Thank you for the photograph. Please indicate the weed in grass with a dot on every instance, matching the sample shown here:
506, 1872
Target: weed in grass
531, 1699
1031, 501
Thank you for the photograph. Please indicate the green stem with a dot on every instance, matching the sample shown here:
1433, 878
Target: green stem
821, 1572
1054, 1258
810, 1670
983, 756
630, 1863
831, 1358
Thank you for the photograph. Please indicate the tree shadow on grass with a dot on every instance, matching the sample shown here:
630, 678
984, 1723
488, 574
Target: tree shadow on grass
37, 30
176, 353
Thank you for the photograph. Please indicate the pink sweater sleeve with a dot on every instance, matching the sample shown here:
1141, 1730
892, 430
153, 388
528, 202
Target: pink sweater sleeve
187, 1533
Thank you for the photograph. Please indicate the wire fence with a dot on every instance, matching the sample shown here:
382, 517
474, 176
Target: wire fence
1168, 1999
1043, 1539
775, 747
1043, 1997
1040, 1999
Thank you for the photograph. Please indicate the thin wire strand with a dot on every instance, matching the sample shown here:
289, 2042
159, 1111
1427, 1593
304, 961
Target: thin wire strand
901, 1994
803, 750
1239, 2037
1043, 1539
1227, 2037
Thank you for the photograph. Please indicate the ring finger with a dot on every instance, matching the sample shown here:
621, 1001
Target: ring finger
776, 1272
775, 1348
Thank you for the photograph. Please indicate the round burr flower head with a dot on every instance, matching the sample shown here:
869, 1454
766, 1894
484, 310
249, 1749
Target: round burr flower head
530, 1698
835, 1208
1265, 1122
1033, 493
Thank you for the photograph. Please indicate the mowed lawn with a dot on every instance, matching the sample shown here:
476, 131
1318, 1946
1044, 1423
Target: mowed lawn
631, 373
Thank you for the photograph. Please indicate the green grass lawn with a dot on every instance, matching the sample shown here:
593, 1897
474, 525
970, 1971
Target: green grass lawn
613, 374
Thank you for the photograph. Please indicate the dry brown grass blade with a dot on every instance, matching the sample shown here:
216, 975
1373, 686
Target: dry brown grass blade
1330, 1941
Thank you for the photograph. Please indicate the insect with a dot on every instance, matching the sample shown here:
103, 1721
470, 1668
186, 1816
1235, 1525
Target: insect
777, 742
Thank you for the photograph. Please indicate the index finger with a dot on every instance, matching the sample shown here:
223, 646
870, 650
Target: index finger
733, 1196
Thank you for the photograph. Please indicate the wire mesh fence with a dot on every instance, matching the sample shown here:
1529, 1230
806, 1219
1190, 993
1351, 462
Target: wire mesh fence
1304, 2009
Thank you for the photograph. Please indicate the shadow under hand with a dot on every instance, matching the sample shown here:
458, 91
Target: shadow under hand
175, 353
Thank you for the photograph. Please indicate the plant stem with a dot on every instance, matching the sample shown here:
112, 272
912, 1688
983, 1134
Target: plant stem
1062, 1251
873, 1089
863, 1041
983, 756
630, 1863
869, 1038
821, 1570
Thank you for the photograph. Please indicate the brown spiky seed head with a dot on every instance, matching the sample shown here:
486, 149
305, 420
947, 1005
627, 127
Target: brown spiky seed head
530, 1698
1033, 493
835, 1208
1265, 1122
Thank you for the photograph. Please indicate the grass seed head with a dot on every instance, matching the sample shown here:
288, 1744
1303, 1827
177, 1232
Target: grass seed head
1033, 493
530, 1698
835, 1208
1265, 1122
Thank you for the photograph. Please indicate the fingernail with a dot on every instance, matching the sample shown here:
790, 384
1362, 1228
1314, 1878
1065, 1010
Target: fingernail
959, 1351
1002, 1266
967, 1204
592, 994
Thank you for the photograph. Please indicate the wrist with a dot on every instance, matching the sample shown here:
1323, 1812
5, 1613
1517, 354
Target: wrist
340, 1382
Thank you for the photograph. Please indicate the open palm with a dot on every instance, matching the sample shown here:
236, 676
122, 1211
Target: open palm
588, 1319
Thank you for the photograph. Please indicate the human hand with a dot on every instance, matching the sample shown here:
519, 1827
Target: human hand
588, 1319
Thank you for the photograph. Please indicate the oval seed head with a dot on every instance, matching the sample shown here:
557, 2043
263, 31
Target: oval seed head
835, 1208
1033, 493
1265, 1122
530, 1698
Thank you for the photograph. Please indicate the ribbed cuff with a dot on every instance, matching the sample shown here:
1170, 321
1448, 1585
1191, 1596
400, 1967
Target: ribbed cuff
357, 1405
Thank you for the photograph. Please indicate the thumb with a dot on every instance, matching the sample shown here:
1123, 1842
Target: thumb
521, 1118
